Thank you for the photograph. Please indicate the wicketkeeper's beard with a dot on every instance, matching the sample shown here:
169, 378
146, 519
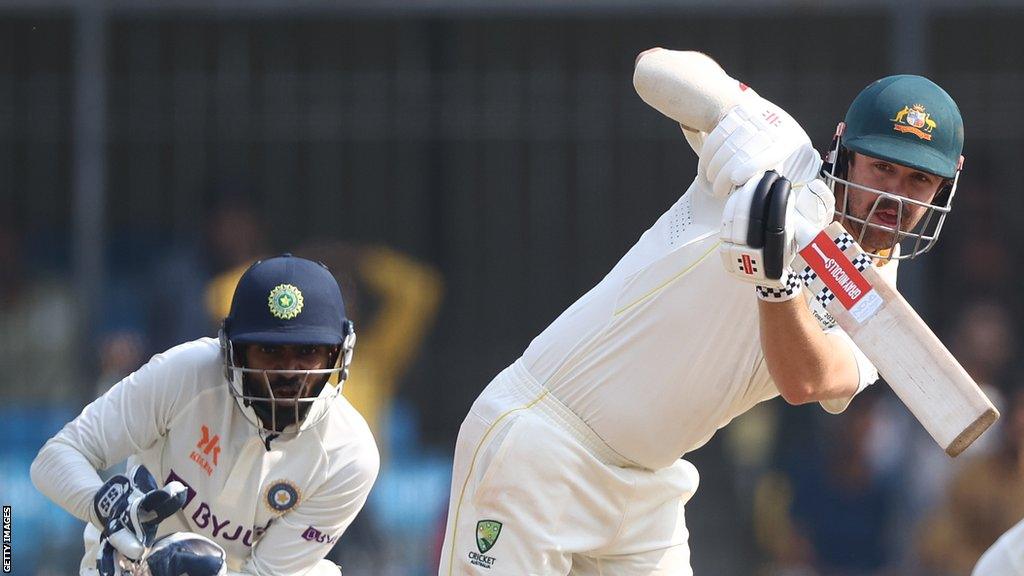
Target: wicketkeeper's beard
280, 401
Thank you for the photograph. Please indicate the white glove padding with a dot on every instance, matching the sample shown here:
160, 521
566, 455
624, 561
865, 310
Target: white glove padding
129, 509
754, 136
763, 227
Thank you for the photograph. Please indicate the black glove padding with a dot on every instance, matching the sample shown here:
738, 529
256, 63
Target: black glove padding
183, 554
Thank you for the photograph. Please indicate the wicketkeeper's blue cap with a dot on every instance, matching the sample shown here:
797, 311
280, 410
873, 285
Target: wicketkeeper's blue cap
287, 300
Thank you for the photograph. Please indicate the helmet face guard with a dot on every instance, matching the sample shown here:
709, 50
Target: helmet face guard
302, 397
286, 301
923, 235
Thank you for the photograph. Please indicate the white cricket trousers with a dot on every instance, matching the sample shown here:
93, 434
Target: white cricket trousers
536, 492
1005, 557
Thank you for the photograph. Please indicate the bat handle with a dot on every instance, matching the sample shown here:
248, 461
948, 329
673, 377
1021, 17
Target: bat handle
804, 232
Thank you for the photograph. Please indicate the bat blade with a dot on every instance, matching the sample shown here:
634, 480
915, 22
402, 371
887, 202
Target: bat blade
917, 366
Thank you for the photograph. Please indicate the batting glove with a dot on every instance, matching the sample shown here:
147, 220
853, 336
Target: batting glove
129, 510
754, 136
765, 223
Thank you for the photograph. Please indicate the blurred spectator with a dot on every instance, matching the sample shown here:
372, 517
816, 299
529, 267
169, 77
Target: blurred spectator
208, 264
120, 353
396, 300
985, 342
985, 498
38, 323
174, 285
236, 240
827, 511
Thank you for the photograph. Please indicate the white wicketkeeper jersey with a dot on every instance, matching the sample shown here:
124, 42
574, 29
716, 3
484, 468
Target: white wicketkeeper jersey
665, 350
276, 507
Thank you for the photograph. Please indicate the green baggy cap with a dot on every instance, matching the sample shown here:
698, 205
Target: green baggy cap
907, 120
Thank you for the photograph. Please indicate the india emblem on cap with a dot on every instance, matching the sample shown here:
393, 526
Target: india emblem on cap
285, 301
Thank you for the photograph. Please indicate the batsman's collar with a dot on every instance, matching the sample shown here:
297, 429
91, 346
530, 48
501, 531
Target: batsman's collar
287, 300
908, 120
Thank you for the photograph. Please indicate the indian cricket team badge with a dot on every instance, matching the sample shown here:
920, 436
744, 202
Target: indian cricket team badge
282, 496
487, 532
914, 120
285, 301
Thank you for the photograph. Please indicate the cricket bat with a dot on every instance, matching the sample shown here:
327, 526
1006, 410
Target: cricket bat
693, 90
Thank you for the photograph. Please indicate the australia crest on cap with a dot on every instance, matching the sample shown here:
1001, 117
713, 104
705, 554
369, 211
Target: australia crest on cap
285, 301
914, 120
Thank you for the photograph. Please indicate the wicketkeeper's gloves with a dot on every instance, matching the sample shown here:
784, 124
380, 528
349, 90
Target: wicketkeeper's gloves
129, 510
183, 554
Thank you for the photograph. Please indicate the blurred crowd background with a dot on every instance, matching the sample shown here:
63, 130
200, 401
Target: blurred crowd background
468, 168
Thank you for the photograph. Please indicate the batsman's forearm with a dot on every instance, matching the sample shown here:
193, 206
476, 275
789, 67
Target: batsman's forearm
688, 87
64, 475
806, 364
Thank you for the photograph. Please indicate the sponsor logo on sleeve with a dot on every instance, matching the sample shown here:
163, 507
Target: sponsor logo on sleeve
315, 535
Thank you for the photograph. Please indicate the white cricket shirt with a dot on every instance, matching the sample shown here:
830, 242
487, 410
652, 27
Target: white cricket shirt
665, 350
275, 511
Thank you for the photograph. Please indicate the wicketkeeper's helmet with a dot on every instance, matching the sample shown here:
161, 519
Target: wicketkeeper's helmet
286, 300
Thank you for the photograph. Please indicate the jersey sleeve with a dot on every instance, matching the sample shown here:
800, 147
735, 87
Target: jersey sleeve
129, 418
297, 541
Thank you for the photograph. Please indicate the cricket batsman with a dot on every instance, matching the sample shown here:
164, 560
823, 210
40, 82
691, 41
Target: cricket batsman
243, 457
569, 461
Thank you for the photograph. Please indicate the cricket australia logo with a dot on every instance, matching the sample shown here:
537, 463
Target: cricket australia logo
487, 532
285, 301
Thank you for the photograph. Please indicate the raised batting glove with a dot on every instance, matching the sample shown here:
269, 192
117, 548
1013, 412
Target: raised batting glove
129, 510
756, 135
763, 226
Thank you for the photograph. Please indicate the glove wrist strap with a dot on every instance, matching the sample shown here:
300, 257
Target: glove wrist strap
790, 289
